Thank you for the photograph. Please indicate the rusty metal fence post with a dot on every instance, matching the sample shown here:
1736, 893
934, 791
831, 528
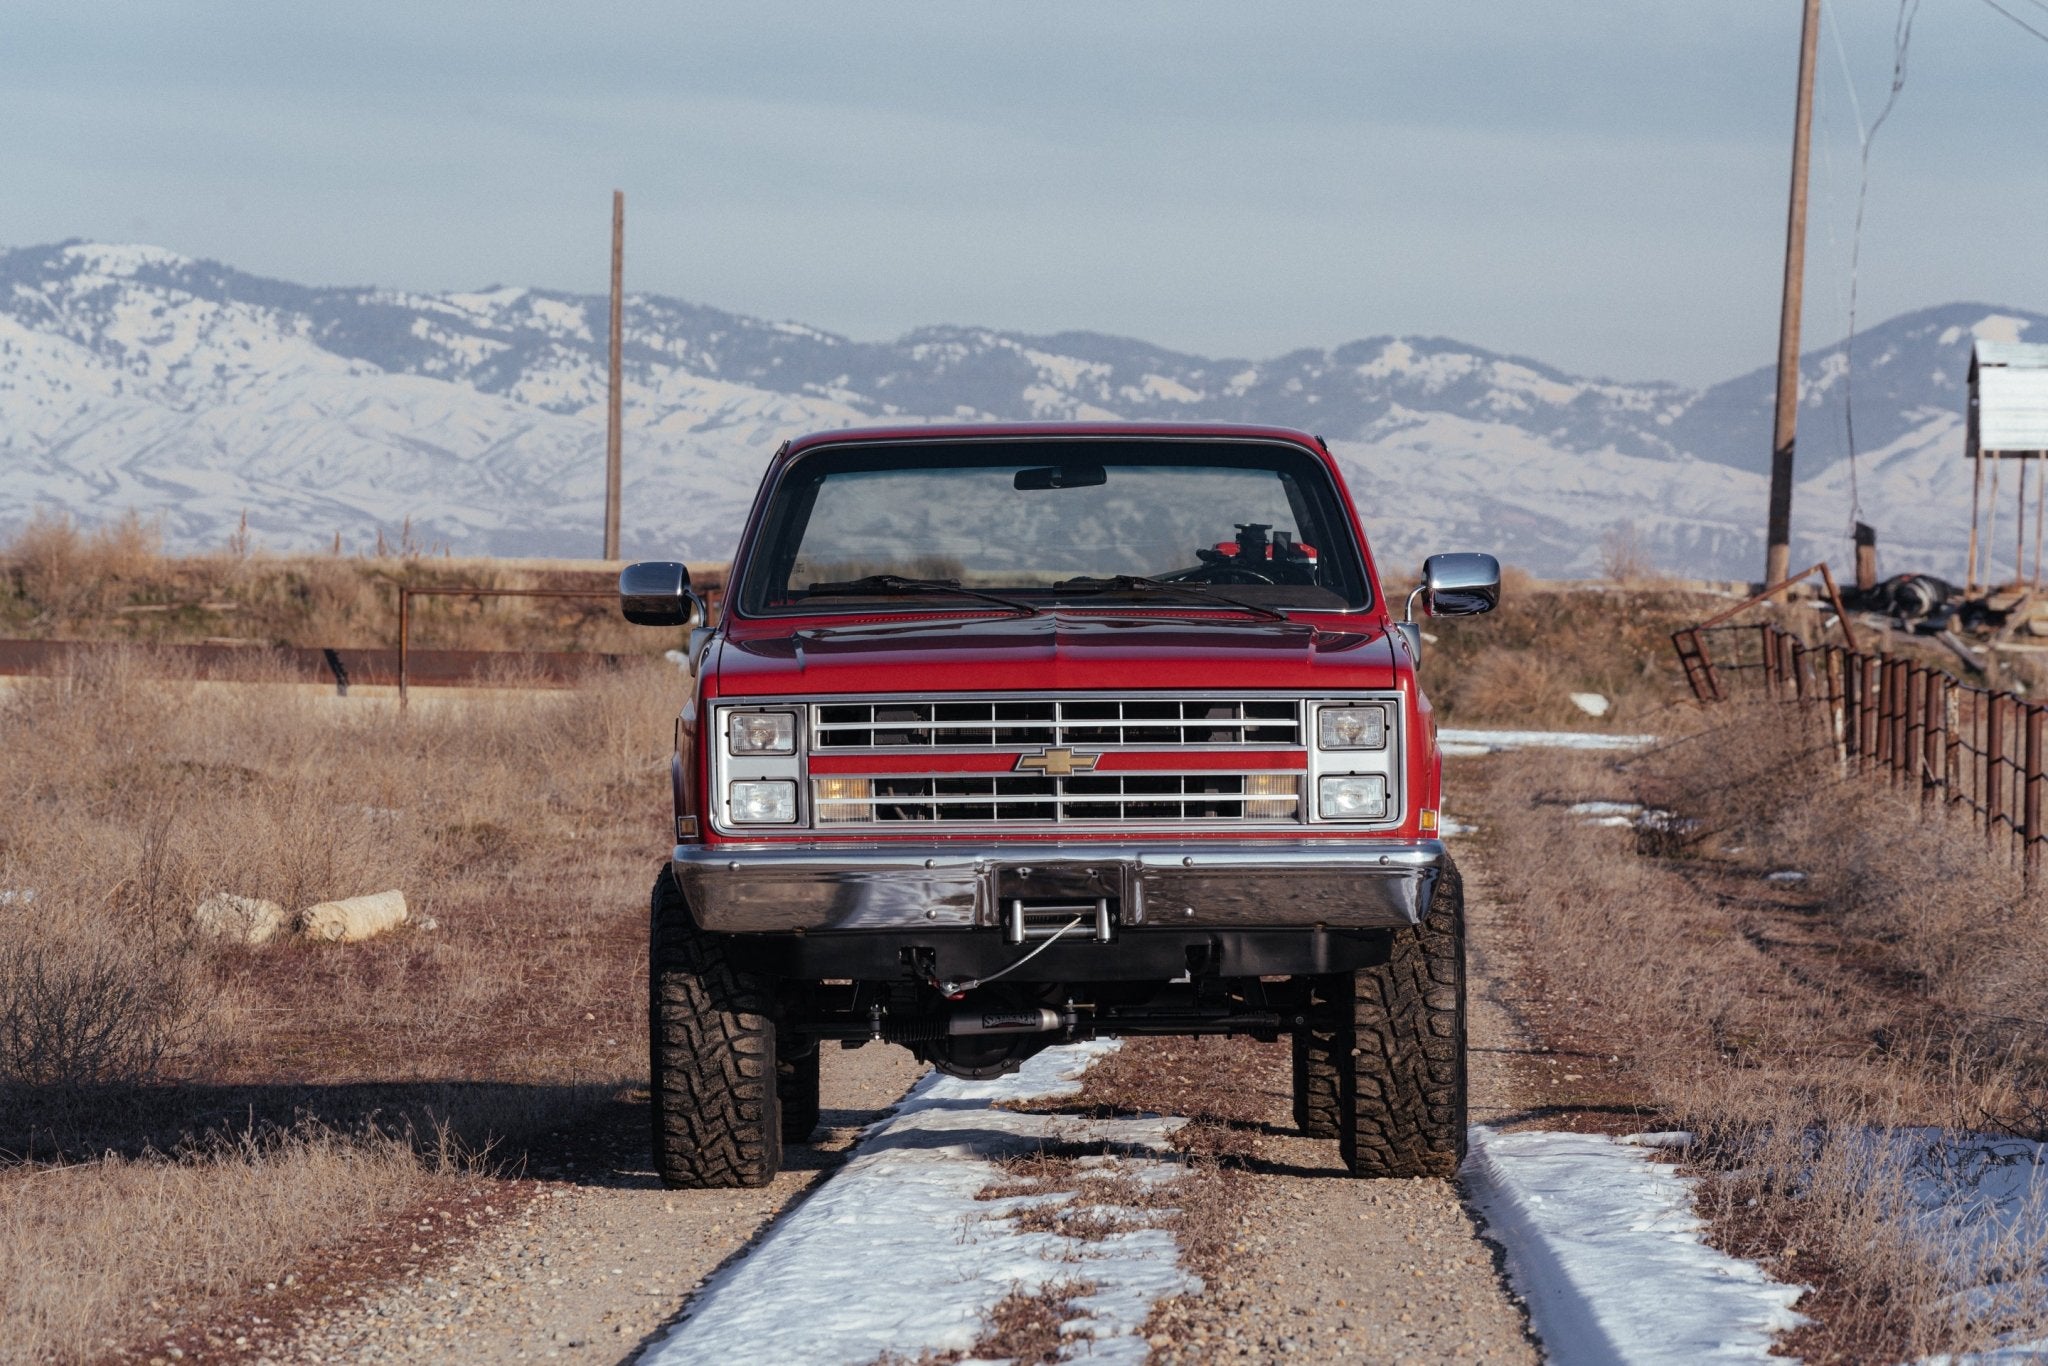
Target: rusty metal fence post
1852, 709
1932, 734
1831, 680
1952, 735
2030, 833
404, 640
1887, 697
1916, 727
1994, 757
1902, 720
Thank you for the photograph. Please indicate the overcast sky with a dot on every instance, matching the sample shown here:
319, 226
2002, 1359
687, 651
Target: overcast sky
1596, 184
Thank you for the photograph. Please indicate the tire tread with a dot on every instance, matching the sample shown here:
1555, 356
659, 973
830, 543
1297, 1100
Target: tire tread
711, 1051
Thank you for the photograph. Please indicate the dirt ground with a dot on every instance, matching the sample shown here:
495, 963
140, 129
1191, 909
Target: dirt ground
1331, 1268
592, 1265
594, 1259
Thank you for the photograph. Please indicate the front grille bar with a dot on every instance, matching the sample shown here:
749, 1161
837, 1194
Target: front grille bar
1243, 798
1056, 721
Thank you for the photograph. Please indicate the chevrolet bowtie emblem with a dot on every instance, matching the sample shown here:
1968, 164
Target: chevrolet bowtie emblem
1056, 763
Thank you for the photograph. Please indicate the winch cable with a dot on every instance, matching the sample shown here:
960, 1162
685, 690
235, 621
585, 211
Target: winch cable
953, 991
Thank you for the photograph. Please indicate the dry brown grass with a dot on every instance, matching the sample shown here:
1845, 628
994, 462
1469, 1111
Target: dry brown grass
188, 1232
526, 825
1785, 1026
1519, 664
116, 583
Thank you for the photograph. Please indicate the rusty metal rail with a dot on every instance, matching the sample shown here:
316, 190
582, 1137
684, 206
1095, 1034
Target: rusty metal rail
1967, 749
407, 592
341, 668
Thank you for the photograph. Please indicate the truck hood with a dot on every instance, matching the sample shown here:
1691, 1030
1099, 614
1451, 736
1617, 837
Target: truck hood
1054, 652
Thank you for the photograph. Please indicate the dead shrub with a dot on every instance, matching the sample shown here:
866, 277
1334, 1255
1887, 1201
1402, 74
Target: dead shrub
1624, 559
81, 1010
61, 572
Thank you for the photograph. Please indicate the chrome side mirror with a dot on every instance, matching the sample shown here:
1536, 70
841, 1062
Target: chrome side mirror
658, 593
1462, 584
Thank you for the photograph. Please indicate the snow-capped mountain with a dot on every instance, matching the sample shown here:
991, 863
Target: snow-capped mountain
131, 377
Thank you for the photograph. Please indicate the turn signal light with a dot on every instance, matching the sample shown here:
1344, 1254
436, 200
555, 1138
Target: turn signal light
842, 799
1271, 796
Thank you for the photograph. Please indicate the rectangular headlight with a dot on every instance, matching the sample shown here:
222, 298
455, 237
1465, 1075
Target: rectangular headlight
1351, 727
763, 803
1353, 797
761, 732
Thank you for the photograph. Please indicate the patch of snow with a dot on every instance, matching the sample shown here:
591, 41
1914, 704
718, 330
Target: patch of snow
1982, 1199
1457, 741
1622, 815
1785, 877
2016, 1354
17, 896
1592, 703
1161, 387
1629, 809
122, 258
895, 1254
1065, 371
1604, 1247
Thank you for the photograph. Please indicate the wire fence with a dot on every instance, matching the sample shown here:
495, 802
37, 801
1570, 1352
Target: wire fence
1965, 748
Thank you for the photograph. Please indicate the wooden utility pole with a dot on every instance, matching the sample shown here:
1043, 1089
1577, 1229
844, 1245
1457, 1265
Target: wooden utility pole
1785, 430
613, 397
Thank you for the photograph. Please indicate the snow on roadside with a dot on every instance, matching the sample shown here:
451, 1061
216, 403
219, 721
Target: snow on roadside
1603, 1245
1980, 1201
1465, 742
893, 1253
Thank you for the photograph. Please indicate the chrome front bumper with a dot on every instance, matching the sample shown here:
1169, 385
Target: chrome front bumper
1355, 883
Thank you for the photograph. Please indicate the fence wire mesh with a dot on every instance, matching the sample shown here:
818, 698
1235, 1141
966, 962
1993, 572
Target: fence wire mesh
1972, 749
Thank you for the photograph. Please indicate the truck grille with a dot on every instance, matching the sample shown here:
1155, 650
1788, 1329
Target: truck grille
1136, 721
1058, 761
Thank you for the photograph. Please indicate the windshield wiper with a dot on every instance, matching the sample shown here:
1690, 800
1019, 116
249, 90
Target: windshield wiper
1188, 592
896, 583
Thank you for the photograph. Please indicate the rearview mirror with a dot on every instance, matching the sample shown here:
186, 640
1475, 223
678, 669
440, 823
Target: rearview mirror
1462, 584
658, 593
1060, 477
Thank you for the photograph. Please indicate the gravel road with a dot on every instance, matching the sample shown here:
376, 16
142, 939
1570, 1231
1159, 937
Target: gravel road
589, 1270
1326, 1268
1329, 1268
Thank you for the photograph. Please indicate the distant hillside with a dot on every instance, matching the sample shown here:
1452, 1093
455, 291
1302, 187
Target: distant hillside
131, 377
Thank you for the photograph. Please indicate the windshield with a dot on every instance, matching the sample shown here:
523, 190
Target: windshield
1043, 522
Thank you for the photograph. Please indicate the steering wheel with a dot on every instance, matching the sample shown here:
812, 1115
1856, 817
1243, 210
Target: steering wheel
1223, 571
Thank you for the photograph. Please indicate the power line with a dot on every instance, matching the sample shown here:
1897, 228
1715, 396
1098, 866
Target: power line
1902, 44
2017, 20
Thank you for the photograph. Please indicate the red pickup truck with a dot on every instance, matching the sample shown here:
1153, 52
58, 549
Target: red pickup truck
1015, 736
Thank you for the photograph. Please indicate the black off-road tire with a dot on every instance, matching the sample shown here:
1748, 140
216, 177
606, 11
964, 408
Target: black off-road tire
1402, 1111
711, 1056
1318, 1054
796, 1087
